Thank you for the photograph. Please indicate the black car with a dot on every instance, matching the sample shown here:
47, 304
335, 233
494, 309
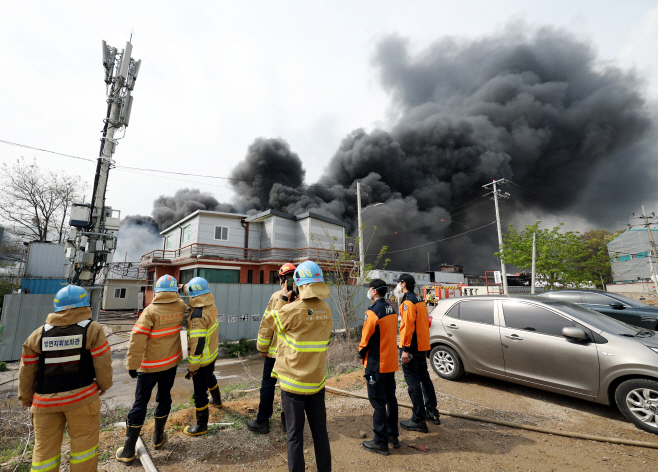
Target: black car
616, 306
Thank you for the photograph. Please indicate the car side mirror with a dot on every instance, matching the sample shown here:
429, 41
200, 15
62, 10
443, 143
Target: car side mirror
574, 333
617, 305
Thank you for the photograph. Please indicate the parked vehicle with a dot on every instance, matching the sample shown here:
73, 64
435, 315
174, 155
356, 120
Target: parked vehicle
552, 345
616, 306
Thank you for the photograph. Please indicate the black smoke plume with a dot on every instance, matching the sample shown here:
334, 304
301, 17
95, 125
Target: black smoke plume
536, 108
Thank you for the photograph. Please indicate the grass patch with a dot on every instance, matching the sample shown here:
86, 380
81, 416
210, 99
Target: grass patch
244, 347
3, 367
104, 456
239, 421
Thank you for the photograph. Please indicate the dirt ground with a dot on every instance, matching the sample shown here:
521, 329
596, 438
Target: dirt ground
456, 445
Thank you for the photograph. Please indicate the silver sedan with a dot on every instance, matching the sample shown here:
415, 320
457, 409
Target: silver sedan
551, 345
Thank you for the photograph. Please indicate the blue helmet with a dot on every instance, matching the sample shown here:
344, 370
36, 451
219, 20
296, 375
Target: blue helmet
69, 297
307, 272
198, 286
166, 283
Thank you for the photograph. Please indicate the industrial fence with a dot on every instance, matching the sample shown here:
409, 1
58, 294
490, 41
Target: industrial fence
240, 308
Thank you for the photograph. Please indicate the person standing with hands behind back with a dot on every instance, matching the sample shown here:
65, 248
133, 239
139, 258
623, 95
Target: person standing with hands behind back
303, 330
414, 346
378, 353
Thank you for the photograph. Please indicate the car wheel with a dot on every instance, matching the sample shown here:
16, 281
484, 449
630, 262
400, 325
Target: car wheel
637, 399
446, 363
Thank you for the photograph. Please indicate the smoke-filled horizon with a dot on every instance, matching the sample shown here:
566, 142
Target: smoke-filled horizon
537, 109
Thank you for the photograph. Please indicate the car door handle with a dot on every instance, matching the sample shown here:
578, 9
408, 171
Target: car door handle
453, 326
515, 337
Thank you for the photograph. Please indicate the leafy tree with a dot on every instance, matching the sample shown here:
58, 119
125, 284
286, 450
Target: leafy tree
560, 256
597, 260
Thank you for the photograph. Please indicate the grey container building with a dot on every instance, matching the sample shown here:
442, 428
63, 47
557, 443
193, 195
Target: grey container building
629, 255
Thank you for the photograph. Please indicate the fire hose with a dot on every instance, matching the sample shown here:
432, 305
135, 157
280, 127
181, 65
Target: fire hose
556, 432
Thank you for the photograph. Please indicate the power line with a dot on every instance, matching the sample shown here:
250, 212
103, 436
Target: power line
46, 150
438, 240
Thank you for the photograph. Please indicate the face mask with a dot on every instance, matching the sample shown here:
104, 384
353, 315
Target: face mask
369, 296
398, 291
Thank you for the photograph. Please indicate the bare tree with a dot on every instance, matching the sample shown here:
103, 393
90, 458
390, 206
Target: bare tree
342, 274
34, 199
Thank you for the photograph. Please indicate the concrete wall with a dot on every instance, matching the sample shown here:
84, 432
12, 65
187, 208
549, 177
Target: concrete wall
644, 290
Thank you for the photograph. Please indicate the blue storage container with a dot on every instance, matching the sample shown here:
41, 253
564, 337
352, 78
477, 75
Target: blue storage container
42, 286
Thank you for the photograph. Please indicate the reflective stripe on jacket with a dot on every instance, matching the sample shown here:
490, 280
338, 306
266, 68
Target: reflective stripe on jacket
414, 326
303, 330
378, 347
95, 343
155, 339
267, 339
202, 336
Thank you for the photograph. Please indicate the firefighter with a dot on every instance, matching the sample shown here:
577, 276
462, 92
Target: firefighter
378, 353
66, 365
154, 352
303, 330
414, 347
202, 346
266, 345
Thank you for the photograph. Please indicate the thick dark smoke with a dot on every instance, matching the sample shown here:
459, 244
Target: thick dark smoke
538, 109
168, 210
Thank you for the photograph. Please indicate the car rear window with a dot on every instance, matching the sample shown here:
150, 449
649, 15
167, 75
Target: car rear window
481, 311
573, 297
534, 318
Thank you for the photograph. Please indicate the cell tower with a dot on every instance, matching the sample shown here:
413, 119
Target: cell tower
91, 241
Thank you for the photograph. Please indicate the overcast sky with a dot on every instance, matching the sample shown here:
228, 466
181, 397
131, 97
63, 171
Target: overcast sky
217, 75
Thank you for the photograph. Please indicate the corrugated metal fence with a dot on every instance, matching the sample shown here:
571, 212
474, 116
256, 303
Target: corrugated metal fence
21, 314
240, 308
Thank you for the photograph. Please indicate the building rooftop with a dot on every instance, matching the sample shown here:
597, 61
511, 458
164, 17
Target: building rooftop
205, 212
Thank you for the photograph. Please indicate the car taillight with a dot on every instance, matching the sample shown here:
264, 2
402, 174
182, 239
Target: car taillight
429, 318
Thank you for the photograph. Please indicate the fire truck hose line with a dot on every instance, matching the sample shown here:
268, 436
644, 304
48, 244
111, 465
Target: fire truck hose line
143, 455
509, 424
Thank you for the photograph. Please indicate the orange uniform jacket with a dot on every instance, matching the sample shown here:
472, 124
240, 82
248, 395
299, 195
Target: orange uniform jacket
378, 339
415, 326
155, 339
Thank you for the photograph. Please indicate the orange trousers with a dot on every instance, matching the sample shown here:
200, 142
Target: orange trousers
84, 425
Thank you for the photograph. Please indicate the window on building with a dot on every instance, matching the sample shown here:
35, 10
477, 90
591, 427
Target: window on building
187, 233
221, 233
119, 293
250, 276
169, 242
643, 254
186, 276
220, 276
626, 257
274, 277
534, 318
262, 276
150, 276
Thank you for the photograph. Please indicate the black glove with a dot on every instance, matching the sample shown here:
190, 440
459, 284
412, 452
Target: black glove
132, 373
189, 375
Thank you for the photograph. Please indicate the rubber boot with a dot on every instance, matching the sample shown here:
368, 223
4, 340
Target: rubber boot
158, 431
127, 452
216, 396
201, 426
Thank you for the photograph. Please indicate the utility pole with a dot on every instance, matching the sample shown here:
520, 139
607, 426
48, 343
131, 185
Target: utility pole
92, 242
496, 195
534, 258
652, 252
362, 256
